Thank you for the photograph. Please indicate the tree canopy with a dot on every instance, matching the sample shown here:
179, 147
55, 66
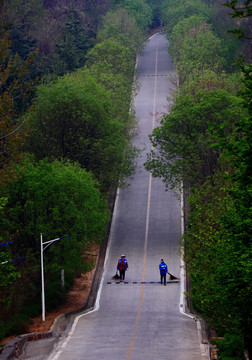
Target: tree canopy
204, 144
173, 12
56, 199
73, 119
78, 129
121, 26
139, 9
15, 97
183, 143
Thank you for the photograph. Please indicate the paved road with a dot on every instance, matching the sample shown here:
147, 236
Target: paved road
140, 319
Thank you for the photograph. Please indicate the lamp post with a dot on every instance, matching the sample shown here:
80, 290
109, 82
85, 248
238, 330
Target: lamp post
47, 243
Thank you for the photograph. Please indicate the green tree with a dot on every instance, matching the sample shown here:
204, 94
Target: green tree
54, 199
220, 24
217, 241
73, 44
181, 29
218, 255
119, 88
111, 64
8, 272
28, 14
236, 149
119, 162
73, 119
155, 6
140, 10
122, 27
200, 50
172, 12
118, 57
15, 97
183, 148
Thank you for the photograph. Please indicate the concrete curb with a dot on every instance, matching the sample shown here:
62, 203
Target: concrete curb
15, 346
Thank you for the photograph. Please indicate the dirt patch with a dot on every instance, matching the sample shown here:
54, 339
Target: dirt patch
75, 299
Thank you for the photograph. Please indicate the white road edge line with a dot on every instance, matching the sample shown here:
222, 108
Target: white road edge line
97, 302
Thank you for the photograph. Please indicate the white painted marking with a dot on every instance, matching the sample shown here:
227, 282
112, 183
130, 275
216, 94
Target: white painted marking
97, 302
132, 342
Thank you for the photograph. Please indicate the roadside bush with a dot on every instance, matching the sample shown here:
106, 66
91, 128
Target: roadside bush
54, 294
16, 325
231, 347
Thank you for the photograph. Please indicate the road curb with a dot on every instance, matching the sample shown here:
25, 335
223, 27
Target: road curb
15, 346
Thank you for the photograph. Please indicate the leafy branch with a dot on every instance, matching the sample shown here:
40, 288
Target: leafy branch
239, 11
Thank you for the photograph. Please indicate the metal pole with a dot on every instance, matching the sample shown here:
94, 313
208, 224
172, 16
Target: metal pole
47, 243
62, 279
42, 280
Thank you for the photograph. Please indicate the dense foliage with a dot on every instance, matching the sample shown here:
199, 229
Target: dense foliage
78, 127
15, 97
205, 143
183, 144
55, 199
93, 137
66, 123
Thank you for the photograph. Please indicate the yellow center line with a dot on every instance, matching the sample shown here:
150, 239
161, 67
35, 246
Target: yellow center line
132, 342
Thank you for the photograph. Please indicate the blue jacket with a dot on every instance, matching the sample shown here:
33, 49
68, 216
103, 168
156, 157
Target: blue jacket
125, 264
163, 268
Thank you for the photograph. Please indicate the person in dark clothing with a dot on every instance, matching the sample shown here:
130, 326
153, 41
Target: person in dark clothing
122, 266
163, 271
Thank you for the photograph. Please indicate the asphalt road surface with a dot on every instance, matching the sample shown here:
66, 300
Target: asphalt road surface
140, 319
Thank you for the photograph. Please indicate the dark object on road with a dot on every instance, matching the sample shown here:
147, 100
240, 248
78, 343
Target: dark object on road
116, 276
172, 277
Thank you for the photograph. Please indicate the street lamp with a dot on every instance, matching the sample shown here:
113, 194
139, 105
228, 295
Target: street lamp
47, 243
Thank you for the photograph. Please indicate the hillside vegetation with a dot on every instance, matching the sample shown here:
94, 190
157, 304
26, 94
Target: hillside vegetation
67, 70
67, 81
204, 143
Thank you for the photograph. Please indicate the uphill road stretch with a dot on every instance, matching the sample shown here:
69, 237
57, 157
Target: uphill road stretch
140, 319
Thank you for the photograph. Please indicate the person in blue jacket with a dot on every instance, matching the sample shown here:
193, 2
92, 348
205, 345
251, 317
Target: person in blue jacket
163, 271
122, 266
